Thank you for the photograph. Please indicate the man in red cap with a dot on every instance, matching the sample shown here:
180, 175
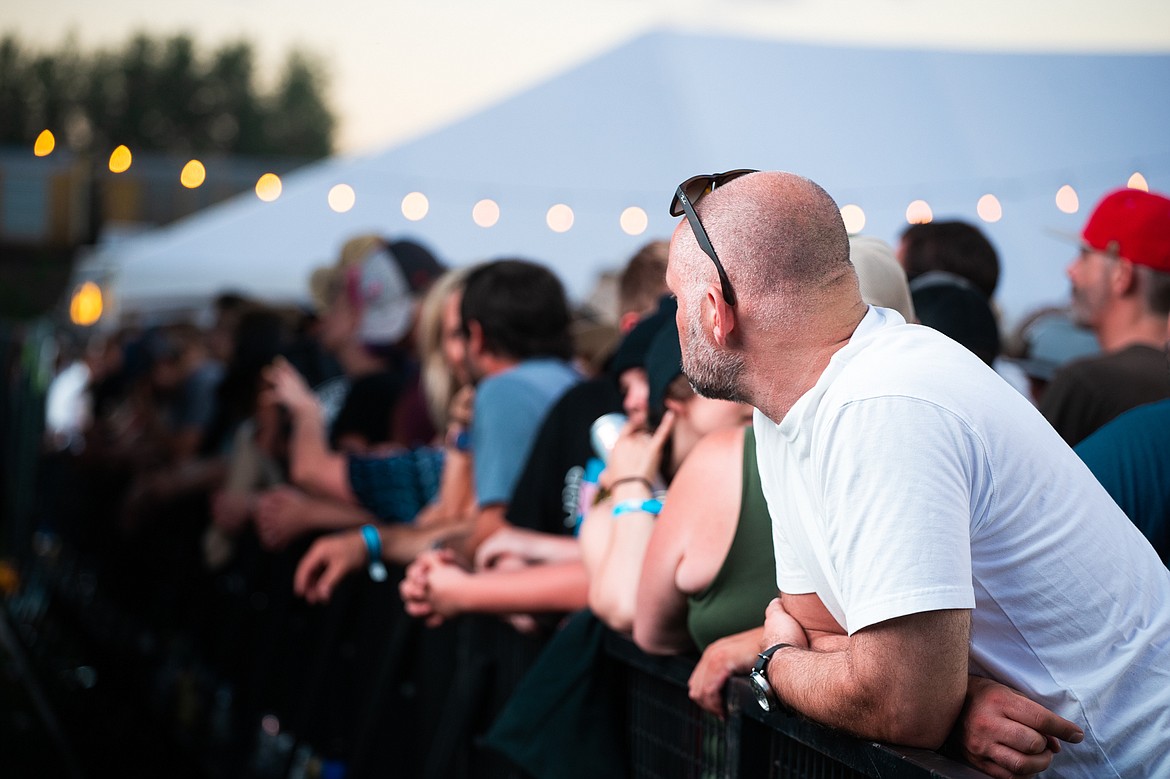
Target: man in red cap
1120, 289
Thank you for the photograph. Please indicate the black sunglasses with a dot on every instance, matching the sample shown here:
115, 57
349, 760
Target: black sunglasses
688, 194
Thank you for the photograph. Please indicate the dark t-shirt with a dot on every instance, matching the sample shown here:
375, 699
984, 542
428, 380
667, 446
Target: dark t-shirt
395, 487
1086, 394
545, 498
368, 410
1130, 456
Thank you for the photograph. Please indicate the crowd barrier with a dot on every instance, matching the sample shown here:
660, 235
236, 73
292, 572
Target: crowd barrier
261, 686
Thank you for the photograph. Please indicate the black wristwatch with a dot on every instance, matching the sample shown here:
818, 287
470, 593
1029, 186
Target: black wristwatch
758, 678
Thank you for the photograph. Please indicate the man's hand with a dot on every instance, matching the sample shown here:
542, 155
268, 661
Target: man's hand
733, 654
288, 388
781, 628
1006, 735
326, 563
430, 586
280, 516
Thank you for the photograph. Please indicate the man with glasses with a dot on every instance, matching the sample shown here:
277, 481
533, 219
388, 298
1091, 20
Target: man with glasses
1121, 290
928, 523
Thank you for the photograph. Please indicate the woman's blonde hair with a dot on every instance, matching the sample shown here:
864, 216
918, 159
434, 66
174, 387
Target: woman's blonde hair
438, 382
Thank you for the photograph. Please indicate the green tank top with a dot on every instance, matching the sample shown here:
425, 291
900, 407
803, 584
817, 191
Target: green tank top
746, 582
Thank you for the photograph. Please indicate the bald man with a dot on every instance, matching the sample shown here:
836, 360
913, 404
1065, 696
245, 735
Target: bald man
928, 522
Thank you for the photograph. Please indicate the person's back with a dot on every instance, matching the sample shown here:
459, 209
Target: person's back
1130, 456
1089, 392
1013, 526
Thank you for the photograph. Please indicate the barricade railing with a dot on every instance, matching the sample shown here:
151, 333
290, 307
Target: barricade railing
670, 737
379, 690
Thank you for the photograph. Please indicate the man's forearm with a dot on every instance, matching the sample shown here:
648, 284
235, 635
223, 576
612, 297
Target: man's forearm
902, 681
313, 466
330, 515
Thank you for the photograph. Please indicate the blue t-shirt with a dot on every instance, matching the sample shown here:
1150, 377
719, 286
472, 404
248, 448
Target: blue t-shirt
509, 408
1130, 456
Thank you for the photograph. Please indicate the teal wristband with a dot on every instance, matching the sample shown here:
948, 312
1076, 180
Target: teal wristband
376, 567
652, 507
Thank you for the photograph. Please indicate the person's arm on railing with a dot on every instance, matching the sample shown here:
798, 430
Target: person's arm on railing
730, 655
437, 588
531, 546
902, 680
999, 731
285, 513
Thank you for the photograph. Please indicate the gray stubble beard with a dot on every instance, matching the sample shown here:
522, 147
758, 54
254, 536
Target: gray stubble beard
712, 373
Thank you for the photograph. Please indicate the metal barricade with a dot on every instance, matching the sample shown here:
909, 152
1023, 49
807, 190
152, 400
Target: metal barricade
671, 737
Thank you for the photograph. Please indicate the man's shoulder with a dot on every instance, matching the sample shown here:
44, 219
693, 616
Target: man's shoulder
539, 375
1137, 357
911, 361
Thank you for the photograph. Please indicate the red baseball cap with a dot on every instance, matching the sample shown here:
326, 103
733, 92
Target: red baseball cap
1134, 225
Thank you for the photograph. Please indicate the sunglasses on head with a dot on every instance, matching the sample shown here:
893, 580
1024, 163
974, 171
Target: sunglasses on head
686, 197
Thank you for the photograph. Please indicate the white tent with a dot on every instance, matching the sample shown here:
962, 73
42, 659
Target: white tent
878, 128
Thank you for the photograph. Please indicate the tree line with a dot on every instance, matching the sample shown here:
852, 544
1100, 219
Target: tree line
160, 93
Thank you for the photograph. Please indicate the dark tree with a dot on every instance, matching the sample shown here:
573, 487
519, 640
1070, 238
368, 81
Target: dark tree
161, 94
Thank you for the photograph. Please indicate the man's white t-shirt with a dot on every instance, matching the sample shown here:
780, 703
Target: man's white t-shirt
912, 478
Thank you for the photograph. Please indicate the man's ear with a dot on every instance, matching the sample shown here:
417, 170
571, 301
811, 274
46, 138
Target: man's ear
721, 317
474, 338
1124, 278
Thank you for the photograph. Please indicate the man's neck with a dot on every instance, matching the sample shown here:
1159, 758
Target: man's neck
1131, 326
494, 364
781, 376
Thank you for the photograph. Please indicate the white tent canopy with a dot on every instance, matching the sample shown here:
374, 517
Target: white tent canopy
878, 128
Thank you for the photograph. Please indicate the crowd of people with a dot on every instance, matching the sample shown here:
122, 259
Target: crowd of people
809, 458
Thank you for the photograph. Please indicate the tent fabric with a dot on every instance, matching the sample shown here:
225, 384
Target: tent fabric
877, 127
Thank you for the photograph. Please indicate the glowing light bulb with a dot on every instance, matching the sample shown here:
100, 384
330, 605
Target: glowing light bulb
120, 159
854, 218
342, 198
485, 213
1136, 181
85, 308
1067, 200
634, 221
989, 208
193, 175
45, 144
559, 218
415, 206
268, 187
919, 213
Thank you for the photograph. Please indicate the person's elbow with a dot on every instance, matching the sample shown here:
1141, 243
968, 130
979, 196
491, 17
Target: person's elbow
322, 477
609, 605
652, 639
920, 718
304, 476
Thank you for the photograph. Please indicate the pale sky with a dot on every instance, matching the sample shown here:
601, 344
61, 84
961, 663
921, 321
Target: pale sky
398, 69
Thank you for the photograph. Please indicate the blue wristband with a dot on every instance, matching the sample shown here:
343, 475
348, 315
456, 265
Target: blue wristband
376, 568
651, 507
